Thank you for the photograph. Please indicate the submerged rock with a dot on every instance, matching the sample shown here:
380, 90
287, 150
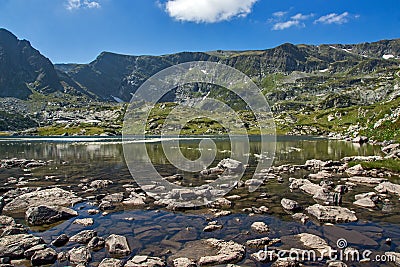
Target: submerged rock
314, 242
84, 221
228, 252
48, 214
333, 214
261, 242
117, 244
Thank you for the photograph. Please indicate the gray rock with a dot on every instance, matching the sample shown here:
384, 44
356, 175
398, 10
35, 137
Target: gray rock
48, 214
260, 227
390, 148
388, 187
261, 242
212, 227
14, 246
365, 203
44, 257
300, 217
29, 252
84, 221
365, 180
333, 214
79, 255
360, 139
55, 196
96, 243
100, 183
145, 261
110, 262
228, 252
289, 204
60, 240
184, 262
337, 264
117, 244
313, 242
83, 237
394, 256
221, 203
355, 170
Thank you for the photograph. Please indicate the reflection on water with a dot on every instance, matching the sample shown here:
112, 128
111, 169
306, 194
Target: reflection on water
152, 232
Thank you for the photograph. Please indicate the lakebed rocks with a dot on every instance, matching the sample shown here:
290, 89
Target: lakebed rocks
48, 214
332, 214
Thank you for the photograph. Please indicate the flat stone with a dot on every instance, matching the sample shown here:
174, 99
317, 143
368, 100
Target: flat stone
388, 187
228, 252
261, 242
110, 262
184, 262
335, 232
365, 203
365, 180
84, 222
145, 261
55, 196
314, 242
44, 214
333, 214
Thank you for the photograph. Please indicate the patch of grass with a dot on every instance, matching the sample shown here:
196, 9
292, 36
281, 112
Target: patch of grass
74, 130
388, 164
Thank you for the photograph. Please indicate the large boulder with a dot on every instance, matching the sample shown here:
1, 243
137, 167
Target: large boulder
117, 244
14, 246
48, 214
55, 196
332, 214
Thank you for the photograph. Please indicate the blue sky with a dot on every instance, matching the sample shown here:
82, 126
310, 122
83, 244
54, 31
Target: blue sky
78, 30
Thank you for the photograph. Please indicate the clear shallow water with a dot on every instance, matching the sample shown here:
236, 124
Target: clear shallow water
160, 232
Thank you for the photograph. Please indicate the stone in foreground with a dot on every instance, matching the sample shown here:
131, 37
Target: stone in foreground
145, 261
228, 252
117, 244
110, 262
332, 214
48, 214
14, 246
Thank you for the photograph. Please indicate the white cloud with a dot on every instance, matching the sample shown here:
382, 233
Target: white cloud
300, 16
77, 4
287, 24
279, 14
208, 11
334, 18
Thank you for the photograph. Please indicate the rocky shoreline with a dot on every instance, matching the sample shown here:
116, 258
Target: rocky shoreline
327, 182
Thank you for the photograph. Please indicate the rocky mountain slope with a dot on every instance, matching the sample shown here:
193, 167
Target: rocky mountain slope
304, 84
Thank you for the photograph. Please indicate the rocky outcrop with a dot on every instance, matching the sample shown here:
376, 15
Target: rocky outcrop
48, 214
